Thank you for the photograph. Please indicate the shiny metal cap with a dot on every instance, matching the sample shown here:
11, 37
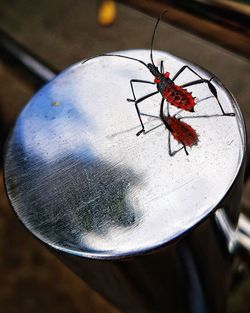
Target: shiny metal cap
81, 180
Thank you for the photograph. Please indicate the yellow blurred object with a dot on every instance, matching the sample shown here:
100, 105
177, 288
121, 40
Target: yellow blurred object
107, 12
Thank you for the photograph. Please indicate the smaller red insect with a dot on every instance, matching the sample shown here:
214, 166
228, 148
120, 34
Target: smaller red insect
182, 132
172, 93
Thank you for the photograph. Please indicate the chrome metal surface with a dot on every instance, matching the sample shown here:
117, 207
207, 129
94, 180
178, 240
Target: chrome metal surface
81, 180
24, 57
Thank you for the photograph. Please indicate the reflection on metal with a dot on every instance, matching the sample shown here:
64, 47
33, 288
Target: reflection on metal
229, 231
195, 294
81, 181
243, 234
242, 264
108, 192
10, 48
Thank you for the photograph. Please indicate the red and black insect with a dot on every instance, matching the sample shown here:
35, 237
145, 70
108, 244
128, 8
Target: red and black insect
181, 131
174, 94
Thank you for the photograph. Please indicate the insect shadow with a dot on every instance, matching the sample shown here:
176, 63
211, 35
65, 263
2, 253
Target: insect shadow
176, 95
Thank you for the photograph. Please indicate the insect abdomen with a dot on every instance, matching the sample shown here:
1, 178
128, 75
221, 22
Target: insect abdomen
179, 97
182, 132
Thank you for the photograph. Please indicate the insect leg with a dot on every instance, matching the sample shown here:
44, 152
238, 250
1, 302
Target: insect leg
162, 67
172, 153
138, 111
212, 89
138, 81
161, 109
182, 69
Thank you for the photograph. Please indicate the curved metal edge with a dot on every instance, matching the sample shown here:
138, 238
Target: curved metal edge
122, 256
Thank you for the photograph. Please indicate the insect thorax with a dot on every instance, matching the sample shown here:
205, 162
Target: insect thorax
163, 84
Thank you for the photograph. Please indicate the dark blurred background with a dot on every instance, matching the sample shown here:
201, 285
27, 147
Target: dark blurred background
213, 34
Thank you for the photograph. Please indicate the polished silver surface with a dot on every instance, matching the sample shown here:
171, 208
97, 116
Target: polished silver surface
82, 181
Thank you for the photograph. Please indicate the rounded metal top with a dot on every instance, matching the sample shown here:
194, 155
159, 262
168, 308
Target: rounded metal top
82, 181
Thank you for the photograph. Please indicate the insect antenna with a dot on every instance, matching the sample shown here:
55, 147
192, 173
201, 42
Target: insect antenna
116, 55
153, 36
